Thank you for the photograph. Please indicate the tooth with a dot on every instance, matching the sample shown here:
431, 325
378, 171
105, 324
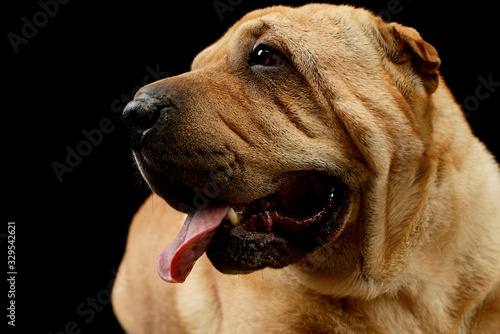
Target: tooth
234, 218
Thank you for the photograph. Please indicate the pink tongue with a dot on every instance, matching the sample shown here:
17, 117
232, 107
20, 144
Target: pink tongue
177, 259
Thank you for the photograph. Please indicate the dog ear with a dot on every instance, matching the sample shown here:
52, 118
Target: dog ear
403, 44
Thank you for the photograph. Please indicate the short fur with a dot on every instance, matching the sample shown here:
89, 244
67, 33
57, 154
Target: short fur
419, 250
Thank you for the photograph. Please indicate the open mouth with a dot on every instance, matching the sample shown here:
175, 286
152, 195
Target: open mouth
290, 210
273, 231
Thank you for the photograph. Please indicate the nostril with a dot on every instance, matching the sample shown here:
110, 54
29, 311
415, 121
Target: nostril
143, 113
147, 120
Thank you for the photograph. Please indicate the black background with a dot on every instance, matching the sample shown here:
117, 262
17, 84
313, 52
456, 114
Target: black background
71, 234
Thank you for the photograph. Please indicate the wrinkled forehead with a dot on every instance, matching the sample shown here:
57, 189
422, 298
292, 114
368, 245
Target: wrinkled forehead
309, 33
241, 35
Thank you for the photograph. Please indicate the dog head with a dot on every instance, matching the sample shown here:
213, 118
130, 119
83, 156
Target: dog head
281, 139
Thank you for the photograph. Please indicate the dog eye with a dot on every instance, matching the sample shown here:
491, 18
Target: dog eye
265, 56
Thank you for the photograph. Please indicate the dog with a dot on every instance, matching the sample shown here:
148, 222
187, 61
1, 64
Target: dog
312, 173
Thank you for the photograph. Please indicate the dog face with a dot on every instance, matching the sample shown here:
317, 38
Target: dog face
279, 140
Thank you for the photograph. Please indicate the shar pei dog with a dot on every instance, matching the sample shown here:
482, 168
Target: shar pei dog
312, 173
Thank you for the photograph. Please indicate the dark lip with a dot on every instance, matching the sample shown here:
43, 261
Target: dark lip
186, 199
167, 183
177, 194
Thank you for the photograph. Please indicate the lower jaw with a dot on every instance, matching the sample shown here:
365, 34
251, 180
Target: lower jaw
239, 251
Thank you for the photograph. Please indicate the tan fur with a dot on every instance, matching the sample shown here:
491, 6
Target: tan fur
420, 247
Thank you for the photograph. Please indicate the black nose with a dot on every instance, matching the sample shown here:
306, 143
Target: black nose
143, 113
